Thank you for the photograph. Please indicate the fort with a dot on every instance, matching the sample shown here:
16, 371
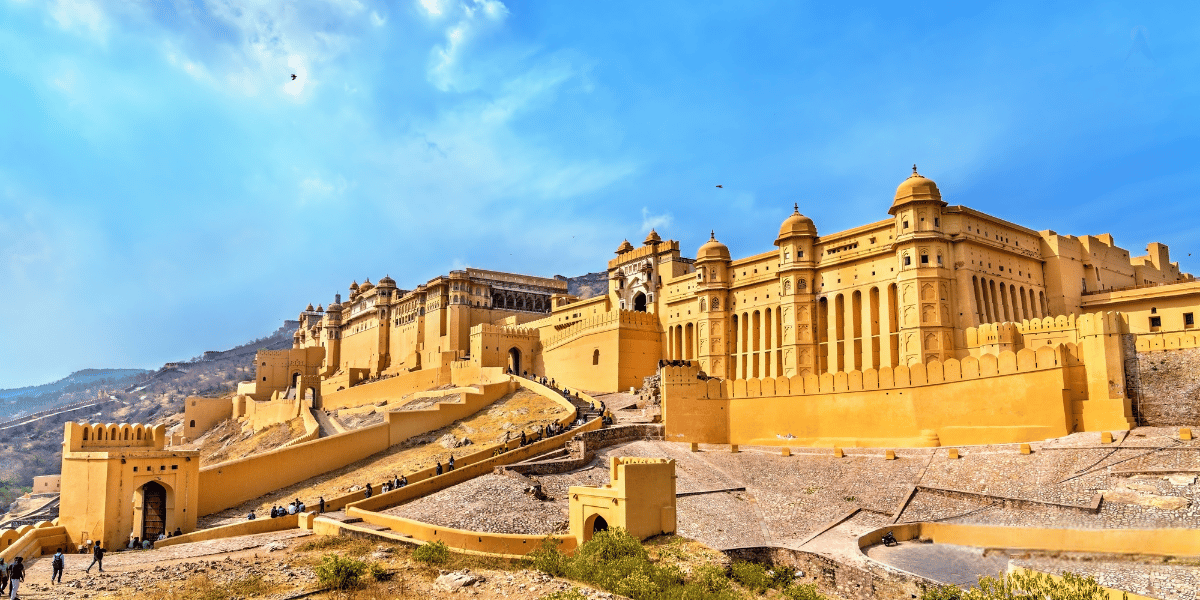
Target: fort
940, 335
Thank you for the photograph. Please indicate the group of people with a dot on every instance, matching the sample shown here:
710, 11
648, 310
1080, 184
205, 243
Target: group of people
137, 543
293, 508
12, 575
394, 483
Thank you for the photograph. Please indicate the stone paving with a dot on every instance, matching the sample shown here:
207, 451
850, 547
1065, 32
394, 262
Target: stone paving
948, 563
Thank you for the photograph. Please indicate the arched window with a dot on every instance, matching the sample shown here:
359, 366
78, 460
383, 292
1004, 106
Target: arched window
702, 305
801, 285
787, 287
595, 357
716, 304
193, 423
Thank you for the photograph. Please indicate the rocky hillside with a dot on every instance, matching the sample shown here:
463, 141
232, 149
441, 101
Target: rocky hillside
589, 285
31, 435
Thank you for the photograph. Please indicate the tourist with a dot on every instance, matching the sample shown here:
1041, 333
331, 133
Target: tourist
57, 565
451, 462
16, 575
523, 439
438, 469
134, 543
403, 480
322, 503
97, 561
395, 482
291, 509
274, 511
178, 531
299, 506
162, 536
146, 545
251, 516
3, 576
367, 491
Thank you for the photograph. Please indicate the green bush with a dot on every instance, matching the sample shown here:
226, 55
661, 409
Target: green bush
1018, 586
782, 576
571, 594
752, 576
340, 572
433, 553
802, 591
615, 561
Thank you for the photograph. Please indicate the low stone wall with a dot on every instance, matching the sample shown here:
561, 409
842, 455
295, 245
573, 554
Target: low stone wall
871, 581
1168, 387
582, 449
262, 525
31, 541
501, 544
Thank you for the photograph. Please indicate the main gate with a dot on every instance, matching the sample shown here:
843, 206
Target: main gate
154, 510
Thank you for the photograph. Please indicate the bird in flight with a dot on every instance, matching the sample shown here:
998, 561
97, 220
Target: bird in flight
721, 186
293, 76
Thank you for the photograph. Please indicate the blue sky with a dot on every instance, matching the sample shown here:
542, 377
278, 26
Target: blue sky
166, 188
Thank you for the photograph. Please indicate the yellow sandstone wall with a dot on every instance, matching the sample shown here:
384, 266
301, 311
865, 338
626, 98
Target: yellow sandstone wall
201, 414
1009, 398
391, 388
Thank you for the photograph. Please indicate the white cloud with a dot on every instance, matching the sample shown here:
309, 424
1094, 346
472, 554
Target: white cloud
80, 15
476, 16
432, 8
650, 221
377, 20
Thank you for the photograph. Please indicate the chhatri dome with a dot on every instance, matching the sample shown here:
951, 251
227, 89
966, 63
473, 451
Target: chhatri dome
712, 249
916, 188
796, 224
652, 238
624, 247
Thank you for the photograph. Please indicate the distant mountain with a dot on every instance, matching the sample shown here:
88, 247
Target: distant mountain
78, 386
588, 286
33, 417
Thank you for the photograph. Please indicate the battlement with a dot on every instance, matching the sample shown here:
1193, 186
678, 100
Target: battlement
89, 437
622, 318
505, 330
886, 378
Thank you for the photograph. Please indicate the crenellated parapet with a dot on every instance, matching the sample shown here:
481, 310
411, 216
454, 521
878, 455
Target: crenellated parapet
97, 437
886, 378
621, 318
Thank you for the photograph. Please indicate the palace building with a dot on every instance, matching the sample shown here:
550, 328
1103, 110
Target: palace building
898, 291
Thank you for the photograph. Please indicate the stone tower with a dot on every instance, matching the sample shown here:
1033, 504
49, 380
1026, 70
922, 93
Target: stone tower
924, 279
797, 268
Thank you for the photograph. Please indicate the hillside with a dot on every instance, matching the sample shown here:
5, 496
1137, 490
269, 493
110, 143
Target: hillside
589, 285
32, 444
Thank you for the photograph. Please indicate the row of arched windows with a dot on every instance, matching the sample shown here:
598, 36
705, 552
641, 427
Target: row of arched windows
996, 302
111, 432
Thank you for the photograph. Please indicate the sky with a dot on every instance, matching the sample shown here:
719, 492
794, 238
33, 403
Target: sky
167, 187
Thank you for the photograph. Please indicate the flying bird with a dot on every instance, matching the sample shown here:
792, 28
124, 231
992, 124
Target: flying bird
293, 76
721, 186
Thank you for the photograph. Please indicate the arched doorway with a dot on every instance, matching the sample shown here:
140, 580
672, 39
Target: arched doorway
154, 510
599, 525
514, 360
639, 302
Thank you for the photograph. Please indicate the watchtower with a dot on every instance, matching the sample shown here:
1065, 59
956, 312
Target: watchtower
119, 481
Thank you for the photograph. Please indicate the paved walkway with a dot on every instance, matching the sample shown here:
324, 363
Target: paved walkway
947, 563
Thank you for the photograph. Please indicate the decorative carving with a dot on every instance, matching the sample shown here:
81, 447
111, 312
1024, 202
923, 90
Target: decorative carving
927, 291
908, 294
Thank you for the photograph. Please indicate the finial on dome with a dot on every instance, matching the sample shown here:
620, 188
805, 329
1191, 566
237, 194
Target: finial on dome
915, 174
796, 208
712, 235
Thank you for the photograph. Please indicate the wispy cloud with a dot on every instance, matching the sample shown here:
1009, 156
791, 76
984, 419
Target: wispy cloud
474, 18
650, 221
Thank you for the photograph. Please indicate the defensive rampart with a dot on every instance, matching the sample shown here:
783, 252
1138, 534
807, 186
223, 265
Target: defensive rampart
228, 484
1012, 397
31, 541
1164, 377
390, 388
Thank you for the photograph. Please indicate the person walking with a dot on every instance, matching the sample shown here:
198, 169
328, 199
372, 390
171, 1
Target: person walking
3, 577
57, 564
322, 503
16, 575
97, 559
368, 490
451, 461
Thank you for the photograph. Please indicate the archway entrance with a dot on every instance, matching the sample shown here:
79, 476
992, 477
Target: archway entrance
514, 360
599, 525
154, 510
639, 302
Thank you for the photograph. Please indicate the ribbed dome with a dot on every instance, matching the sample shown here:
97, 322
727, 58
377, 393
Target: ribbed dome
387, 282
652, 238
917, 188
366, 286
335, 307
624, 247
309, 308
712, 250
320, 308
796, 224
354, 285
